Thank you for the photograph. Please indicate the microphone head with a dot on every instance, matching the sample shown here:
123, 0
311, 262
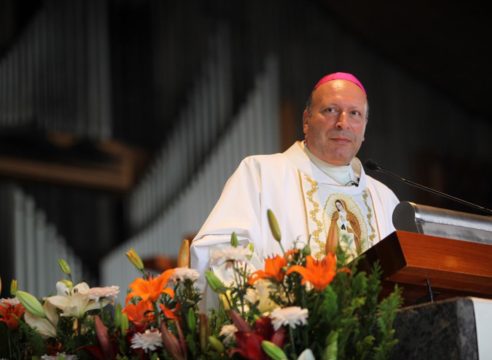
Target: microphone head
372, 165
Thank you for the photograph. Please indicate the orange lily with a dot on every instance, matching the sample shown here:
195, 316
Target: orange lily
170, 313
274, 269
10, 314
319, 273
150, 290
140, 313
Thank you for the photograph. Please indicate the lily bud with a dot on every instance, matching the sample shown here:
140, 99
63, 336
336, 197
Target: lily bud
67, 283
214, 282
64, 267
13, 287
191, 319
306, 250
216, 344
102, 335
171, 343
274, 228
184, 254
234, 240
203, 334
273, 351
135, 259
124, 324
31, 304
224, 301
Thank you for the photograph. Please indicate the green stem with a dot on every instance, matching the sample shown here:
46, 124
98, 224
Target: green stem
237, 280
156, 312
304, 306
10, 345
281, 248
291, 335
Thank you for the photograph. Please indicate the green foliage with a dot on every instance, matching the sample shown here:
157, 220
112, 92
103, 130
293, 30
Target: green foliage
364, 323
347, 319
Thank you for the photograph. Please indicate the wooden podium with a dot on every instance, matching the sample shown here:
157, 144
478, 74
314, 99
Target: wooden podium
432, 268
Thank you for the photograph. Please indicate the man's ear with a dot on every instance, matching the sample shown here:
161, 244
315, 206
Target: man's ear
305, 118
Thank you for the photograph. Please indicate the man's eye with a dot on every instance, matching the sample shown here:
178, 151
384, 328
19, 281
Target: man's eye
330, 110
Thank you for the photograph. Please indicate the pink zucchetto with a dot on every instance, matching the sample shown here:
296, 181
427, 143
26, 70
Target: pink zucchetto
340, 76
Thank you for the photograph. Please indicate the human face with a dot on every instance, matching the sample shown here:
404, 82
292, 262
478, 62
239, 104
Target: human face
334, 125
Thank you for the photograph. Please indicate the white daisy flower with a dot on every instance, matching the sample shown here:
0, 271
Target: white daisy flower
150, 340
292, 316
96, 293
183, 273
59, 356
229, 332
239, 253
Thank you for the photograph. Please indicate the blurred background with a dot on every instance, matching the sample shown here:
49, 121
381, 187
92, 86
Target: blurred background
121, 120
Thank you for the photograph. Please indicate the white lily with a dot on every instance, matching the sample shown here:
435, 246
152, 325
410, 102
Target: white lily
306, 355
46, 327
75, 302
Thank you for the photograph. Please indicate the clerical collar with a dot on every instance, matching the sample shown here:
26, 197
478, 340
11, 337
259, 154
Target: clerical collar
343, 175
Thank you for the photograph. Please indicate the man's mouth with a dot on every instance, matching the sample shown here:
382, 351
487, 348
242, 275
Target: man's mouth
341, 139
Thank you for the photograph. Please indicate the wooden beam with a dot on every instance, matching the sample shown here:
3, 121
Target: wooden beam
117, 175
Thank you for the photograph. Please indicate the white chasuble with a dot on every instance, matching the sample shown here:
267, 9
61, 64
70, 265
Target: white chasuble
308, 204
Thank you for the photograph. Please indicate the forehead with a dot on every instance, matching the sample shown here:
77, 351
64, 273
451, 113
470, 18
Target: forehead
342, 92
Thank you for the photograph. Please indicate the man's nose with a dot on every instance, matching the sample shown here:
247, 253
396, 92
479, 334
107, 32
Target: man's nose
342, 120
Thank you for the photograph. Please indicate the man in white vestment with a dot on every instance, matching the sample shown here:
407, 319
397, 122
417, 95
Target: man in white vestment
317, 189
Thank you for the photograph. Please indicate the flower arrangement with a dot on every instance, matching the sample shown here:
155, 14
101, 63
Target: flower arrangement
296, 307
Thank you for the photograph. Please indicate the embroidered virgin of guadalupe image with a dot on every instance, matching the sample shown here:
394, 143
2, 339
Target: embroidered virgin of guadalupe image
345, 228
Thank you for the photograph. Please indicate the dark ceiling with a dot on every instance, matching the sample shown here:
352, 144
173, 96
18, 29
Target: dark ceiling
443, 43
446, 44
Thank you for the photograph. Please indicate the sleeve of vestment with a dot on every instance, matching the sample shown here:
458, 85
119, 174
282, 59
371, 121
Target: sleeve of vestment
237, 210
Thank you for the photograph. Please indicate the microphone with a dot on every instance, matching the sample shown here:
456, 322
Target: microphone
374, 166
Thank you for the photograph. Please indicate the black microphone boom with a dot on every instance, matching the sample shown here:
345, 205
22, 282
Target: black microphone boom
372, 165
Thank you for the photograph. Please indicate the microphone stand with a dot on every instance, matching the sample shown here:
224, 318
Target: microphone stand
371, 165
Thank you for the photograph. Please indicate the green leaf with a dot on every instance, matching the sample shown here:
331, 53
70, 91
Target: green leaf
329, 306
331, 349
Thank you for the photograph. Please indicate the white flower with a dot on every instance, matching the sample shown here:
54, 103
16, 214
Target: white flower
10, 301
228, 331
306, 355
96, 293
149, 340
221, 256
183, 273
251, 296
46, 327
75, 302
292, 316
263, 289
59, 356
